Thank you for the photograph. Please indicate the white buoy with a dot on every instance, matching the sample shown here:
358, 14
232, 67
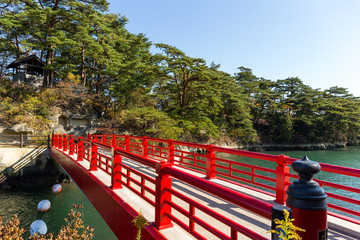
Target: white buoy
56, 188
39, 227
44, 205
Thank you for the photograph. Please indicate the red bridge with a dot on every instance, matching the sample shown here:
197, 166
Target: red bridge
188, 190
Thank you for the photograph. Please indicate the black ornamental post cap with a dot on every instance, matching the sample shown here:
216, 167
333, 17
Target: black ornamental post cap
305, 193
306, 169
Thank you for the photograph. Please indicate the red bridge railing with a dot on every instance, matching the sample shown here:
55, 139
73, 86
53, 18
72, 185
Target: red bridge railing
206, 159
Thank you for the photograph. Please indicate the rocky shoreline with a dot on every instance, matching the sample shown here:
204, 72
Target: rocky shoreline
312, 146
282, 147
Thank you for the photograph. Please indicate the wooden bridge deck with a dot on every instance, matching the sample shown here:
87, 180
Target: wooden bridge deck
338, 229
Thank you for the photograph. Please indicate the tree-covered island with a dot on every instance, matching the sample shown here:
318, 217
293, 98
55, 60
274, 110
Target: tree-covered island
95, 66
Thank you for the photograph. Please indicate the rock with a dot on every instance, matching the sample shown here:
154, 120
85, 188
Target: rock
22, 128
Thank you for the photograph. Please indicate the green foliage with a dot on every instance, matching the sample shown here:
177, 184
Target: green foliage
150, 122
95, 66
140, 222
21, 104
286, 229
287, 111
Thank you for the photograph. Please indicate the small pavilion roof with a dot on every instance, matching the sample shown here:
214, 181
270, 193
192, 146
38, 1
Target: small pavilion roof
32, 58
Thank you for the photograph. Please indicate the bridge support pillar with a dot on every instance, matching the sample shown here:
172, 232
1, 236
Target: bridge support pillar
163, 182
307, 200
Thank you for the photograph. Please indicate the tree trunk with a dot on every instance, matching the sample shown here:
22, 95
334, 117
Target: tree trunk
83, 73
5, 57
49, 76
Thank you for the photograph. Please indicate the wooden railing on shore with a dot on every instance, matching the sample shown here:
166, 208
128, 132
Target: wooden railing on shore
23, 140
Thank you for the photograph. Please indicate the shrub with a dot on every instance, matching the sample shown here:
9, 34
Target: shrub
286, 229
74, 228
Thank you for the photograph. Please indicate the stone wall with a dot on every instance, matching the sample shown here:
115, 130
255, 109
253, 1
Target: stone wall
28, 167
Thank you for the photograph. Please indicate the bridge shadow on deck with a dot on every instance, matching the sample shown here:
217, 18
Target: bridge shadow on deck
232, 211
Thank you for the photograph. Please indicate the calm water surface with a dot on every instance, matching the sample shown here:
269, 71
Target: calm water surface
23, 202
349, 157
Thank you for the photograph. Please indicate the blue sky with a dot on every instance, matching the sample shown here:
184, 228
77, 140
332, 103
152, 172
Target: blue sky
315, 40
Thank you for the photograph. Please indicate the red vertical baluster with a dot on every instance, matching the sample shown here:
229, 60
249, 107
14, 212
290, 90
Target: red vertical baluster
252, 174
114, 141
145, 147
210, 163
128, 177
127, 143
163, 182
234, 235
142, 187
191, 221
282, 179
171, 152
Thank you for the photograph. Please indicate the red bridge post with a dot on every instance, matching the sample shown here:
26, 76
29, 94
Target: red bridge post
113, 140
282, 179
163, 182
145, 146
65, 143
171, 152
89, 136
116, 169
80, 152
71, 145
307, 199
127, 143
94, 153
60, 141
53, 139
210, 162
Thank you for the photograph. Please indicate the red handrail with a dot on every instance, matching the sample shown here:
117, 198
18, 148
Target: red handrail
257, 206
152, 151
